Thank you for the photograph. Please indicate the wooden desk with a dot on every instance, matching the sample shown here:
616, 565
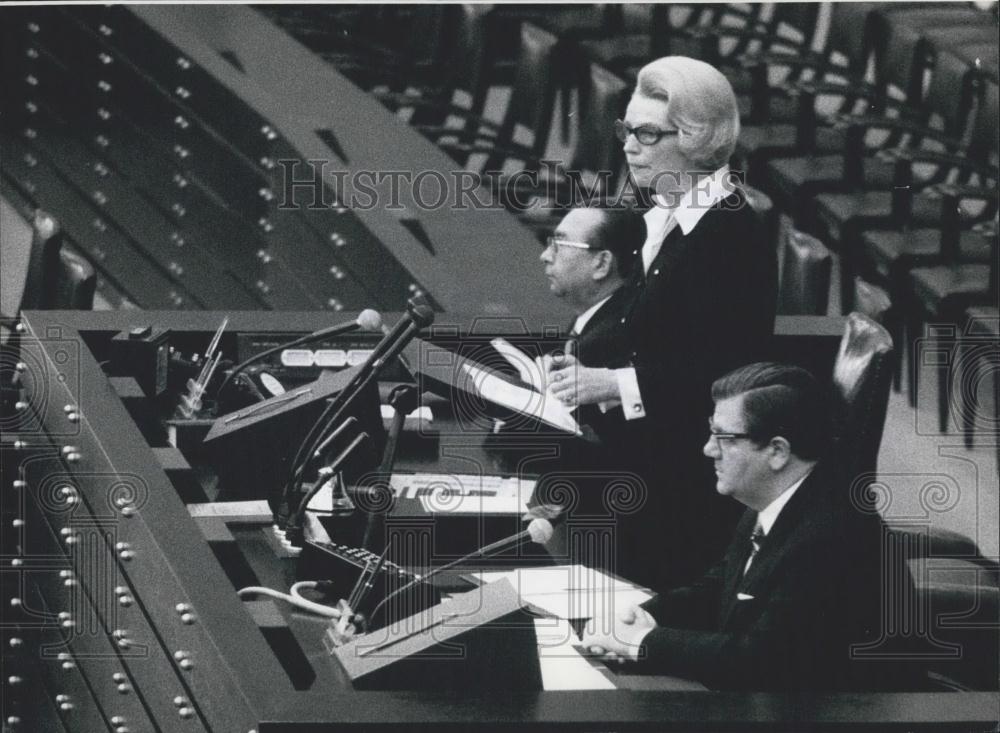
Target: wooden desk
167, 624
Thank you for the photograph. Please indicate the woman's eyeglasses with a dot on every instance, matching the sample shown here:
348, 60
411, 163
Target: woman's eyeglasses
645, 134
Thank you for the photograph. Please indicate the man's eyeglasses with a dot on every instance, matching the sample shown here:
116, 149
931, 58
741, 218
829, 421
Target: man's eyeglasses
720, 436
645, 134
554, 243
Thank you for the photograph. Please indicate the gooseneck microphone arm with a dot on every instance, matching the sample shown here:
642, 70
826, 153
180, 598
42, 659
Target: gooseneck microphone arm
295, 523
539, 530
417, 317
368, 319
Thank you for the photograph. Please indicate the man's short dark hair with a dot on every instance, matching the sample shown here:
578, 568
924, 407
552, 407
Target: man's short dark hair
621, 231
780, 400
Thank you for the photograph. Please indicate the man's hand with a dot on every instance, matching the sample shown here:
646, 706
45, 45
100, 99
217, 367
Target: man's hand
621, 637
574, 384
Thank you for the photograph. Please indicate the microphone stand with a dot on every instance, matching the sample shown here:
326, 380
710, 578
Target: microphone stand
417, 317
403, 399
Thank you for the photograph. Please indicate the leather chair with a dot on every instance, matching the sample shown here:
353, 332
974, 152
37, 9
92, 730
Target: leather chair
75, 283
914, 201
874, 302
805, 275
979, 350
767, 213
531, 105
956, 585
861, 377
43, 264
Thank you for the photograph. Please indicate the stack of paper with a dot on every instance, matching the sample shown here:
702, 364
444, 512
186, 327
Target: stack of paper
571, 591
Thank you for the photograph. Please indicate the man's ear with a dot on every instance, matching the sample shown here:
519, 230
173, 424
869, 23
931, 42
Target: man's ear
780, 452
604, 264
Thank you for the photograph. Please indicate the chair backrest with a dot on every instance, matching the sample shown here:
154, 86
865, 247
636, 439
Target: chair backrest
532, 98
43, 261
805, 275
767, 213
983, 139
950, 94
74, 286
862, 375
871, 300
15, 245
602, 100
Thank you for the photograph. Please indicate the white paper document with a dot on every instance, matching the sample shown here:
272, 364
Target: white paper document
561, 664
531, 371
541, 406
571, 591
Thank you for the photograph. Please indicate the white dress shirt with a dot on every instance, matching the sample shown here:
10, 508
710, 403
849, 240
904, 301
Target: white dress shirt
767, 516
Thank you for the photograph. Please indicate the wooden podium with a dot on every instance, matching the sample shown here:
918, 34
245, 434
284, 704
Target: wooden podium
478, 640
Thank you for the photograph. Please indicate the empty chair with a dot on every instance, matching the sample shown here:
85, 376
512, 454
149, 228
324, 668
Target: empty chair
42, 262
74, 285
861, 377
805, 275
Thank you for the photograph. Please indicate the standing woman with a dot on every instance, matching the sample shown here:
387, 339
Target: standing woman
703, 296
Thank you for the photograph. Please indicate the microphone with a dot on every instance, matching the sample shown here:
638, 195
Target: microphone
294, 527
539, 530
416, 317
367, 319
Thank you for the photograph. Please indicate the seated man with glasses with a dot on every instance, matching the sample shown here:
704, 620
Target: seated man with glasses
588, 260
803, 597
704, 303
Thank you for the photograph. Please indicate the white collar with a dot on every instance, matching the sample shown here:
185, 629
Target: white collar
692, 205
767, 516
584, 318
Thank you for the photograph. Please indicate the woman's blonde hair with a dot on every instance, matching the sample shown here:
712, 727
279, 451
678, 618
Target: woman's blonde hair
700, 104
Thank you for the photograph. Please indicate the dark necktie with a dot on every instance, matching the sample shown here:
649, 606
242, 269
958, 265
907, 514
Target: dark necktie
756, 542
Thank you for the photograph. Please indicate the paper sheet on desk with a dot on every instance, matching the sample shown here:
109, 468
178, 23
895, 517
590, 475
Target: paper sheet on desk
530, 370
571, 591
448, 503
541, 406
561, 664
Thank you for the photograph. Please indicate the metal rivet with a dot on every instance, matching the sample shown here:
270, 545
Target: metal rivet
185, 712
63, 615
16, 562
73, 417
17, 523
188, 618
20, 483
14, 680
128, 511
180, 701
118, 677
74, 457
16, 641
20, 406
123, 689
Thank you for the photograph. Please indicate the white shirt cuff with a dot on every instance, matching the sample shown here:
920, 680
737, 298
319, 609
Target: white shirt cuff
635, 644
628, 388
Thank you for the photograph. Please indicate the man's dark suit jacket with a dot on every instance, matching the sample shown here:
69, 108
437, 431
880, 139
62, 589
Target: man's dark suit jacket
705, 307
603, 344
813, 591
